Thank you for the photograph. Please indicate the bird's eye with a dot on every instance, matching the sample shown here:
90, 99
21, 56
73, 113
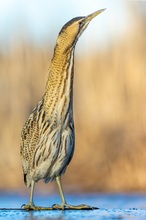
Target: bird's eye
81, 24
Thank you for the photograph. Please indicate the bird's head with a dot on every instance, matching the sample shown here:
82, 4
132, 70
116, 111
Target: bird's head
72, 30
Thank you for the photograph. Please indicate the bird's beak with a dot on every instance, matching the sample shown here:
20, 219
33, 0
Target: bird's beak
93, 15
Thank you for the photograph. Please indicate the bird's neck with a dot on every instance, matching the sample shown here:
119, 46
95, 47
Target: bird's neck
59, 88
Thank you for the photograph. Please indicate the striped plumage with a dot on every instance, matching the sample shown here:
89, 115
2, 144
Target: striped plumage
47, 139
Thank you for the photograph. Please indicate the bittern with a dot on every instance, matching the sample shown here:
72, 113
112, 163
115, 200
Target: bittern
47, 138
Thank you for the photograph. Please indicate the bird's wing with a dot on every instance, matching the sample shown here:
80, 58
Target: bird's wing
29, 138
38, 145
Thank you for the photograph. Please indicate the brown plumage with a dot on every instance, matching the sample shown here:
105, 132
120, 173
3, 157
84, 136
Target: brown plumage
47, 139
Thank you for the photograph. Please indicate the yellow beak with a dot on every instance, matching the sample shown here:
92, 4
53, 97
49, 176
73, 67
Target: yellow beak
94, 14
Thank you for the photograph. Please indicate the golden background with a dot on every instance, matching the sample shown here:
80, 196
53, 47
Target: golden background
109, 111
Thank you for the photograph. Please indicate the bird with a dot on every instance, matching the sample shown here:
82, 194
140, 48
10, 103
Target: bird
48, 136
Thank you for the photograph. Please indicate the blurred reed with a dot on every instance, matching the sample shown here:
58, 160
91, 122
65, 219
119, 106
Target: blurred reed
109, 109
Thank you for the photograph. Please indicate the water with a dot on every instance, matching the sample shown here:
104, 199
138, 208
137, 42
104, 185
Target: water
111, 206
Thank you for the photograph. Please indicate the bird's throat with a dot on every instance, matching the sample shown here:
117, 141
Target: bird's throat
59, 88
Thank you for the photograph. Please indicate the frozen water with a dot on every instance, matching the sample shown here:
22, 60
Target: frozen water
111, 206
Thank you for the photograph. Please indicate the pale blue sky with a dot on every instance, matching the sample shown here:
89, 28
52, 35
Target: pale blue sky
41, 20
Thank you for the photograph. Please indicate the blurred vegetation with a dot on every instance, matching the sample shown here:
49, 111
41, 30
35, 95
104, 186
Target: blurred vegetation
109, 110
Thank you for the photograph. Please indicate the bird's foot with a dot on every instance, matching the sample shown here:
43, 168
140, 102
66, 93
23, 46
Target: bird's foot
31, 207
73, 207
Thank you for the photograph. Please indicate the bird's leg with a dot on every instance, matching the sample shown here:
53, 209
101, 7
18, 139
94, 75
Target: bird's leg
59, 183
31, 205
64, 204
